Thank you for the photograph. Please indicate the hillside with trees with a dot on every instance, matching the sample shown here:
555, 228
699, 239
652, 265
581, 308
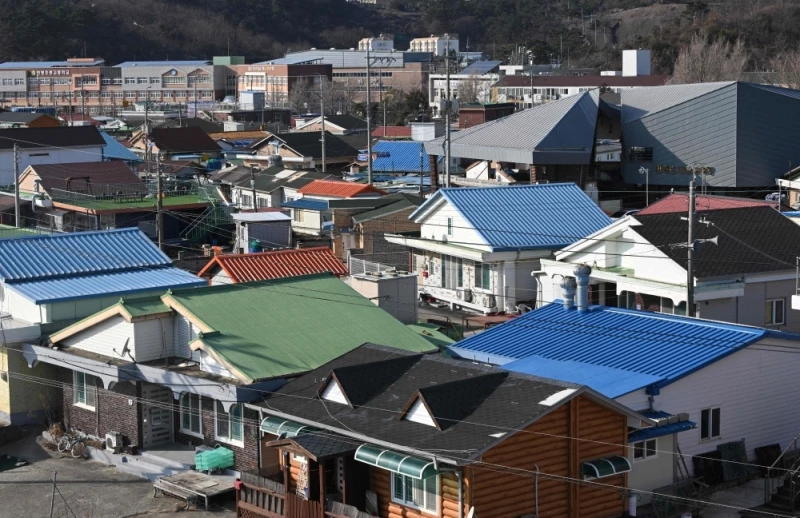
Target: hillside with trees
586, 33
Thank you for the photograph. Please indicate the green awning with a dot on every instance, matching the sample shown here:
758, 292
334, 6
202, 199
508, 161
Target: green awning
606, 467
399, 463
279, 426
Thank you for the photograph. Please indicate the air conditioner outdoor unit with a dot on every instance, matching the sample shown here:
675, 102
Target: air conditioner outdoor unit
114, 442
465, 295
488, 301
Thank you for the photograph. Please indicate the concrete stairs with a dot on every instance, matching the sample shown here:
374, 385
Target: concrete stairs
148, 465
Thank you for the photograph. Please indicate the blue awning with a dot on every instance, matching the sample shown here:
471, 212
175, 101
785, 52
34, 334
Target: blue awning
307, 204
667, 424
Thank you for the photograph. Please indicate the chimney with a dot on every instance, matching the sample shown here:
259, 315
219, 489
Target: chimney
434, 173
568, 289
582, 273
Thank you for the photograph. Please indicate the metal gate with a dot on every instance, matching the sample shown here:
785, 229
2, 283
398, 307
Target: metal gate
157, 412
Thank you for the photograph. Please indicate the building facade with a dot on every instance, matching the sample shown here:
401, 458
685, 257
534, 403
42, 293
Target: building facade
438, 45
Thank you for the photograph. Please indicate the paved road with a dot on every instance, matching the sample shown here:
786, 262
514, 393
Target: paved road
87, 489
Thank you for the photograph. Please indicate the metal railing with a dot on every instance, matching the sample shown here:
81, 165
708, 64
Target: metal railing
771, 484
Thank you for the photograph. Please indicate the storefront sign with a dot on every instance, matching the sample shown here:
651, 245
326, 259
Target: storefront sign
260, 69
685, 169
50, 72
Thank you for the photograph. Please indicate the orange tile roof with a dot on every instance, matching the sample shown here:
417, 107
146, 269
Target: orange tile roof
275, 265
338, 189
392, 131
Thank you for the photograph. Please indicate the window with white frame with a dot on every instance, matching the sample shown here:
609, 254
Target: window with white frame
710, 423
775, 312
130, 80
645, 449
419, 494
229, 426
246, 201
84, 390
449, 226
190, 414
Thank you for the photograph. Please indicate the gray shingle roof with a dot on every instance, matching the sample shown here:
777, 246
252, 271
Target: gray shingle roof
477, 401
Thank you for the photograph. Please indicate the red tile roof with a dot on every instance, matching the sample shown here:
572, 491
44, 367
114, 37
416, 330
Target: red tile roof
679, 202
338, 189
275, 265
393, 132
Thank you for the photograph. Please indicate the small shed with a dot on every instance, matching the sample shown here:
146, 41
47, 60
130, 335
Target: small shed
257, 231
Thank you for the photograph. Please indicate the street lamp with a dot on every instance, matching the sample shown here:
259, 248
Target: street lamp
646, 172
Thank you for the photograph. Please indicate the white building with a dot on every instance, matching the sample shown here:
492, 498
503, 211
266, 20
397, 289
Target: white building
477, 78
381, 42
477, 246
438, 45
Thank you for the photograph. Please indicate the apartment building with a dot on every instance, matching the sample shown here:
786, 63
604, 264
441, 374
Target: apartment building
381, 42
438, 45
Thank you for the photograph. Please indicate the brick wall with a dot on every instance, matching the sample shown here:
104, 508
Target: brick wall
372, 232
244, 458
112, 413
341, 220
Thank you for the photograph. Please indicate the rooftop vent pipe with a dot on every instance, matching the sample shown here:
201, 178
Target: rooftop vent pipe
582, 273
568, 288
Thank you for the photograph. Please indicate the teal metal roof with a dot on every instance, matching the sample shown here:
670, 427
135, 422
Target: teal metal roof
399, 463
545, 216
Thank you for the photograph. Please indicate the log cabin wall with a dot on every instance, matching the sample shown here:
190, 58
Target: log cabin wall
381, 484
499, 495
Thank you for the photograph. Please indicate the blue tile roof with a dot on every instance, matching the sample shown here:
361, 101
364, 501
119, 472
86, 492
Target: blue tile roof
403, 157
63, 255
47, 291
614, 351
545, 216
114, 150
307, 203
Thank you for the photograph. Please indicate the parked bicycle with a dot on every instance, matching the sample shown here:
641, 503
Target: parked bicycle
75, 444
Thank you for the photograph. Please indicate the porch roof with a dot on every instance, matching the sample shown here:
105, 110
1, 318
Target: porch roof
317, 446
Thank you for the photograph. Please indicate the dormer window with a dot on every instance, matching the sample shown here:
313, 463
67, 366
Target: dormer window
333, 392
419, 414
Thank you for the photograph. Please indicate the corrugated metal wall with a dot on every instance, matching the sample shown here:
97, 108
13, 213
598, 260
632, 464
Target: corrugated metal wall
702, 131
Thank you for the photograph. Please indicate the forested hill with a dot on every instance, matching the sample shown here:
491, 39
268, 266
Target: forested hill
581, 32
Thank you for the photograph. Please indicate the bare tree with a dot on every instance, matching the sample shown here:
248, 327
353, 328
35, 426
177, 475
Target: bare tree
470, 90
702, 61
787, 69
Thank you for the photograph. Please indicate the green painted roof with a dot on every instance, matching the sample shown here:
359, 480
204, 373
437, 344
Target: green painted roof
289, 326
111, 204
145, 306
432, 333
9, 232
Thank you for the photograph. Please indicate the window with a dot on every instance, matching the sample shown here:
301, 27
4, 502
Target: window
130, 95
130, 80
452, 272
117, 95
640, 154
84, 390
155, 80
142, 81
774, 314
483, 276
33, 81
263, 203
228, 424
419, 494
190, 414
645, 449
19, 81
116, 81
174, 80
61, 81
298, 215
449, 226
105, 94
709, 424
155, 94
105, 81
246, 201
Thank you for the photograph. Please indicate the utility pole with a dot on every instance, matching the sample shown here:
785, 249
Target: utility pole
421, 167
53, 496
16, 186
253, 186
690, 257
159, 203
147, 127
83, 98
447, 105
195, 97
369, 123
322, 118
